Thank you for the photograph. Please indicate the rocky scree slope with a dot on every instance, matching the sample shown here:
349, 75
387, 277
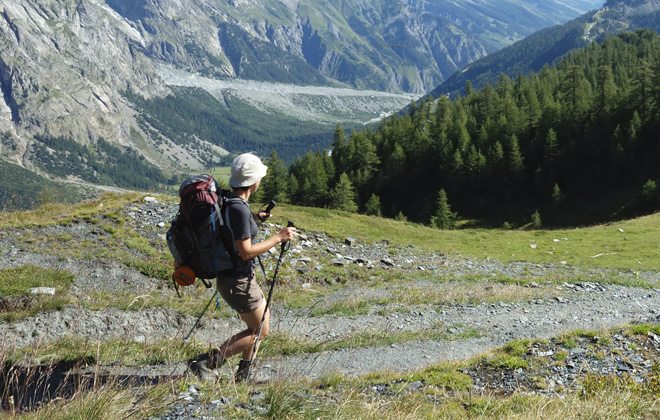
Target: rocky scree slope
363, 305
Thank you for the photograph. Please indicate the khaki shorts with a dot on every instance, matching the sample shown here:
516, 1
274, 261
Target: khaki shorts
243, 294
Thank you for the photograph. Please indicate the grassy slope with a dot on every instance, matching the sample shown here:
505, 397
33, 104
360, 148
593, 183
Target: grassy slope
629, 244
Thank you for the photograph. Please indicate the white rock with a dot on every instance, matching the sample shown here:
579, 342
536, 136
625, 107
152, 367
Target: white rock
152, 200
43, 291
161, 224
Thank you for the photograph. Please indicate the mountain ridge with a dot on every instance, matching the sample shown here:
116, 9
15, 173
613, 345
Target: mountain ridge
550, 44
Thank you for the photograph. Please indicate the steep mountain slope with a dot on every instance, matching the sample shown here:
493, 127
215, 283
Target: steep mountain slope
60, 76
547, 45
406, 45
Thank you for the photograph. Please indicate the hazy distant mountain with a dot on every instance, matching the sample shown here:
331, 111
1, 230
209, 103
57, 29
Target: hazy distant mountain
547, 45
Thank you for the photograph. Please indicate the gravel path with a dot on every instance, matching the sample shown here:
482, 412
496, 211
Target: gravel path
496, 324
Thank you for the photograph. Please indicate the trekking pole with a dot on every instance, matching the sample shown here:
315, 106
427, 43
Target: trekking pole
199, 318
255, 347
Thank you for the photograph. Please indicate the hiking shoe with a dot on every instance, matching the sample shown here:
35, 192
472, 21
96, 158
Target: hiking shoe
243, 372
200, 368
215, 358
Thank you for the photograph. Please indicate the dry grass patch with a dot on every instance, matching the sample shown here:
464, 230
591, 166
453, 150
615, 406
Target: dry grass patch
472, 294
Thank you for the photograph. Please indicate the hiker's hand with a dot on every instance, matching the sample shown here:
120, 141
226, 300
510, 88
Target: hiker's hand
287, 234
263, 215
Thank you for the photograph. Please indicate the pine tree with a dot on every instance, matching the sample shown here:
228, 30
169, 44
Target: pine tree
340, 151
643, 87
634, 126
311, 172
557, 195
513, 156
551, 148
607, 89
275, 186
443, 218
343, 195
372, 207
535, 220
575, 92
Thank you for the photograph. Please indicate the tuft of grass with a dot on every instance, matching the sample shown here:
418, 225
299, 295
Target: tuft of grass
517, 347
560, 356
505, 361
108, 402
347, 307
445, 376
644, 329
19, 281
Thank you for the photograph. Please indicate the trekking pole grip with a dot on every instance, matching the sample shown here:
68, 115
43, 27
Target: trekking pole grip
287, 244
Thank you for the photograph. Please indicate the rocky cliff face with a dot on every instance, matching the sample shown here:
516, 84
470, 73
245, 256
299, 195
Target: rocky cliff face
63, 67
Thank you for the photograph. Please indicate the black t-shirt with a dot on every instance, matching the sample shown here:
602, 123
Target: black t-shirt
241, 222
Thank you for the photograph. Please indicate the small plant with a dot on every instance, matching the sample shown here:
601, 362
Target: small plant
444, 376
569, 343
517, 347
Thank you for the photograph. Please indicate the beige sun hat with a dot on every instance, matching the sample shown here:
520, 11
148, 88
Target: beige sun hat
247, 169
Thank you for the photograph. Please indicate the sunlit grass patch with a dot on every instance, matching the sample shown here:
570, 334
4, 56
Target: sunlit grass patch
630, 244
643, 329
446, 376
16, 300
56, 213
19, 281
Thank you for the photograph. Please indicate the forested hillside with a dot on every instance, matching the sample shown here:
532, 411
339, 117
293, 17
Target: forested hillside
548, 45
575, 143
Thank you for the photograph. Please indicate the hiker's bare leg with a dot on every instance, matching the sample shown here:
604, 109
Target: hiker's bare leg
244, 340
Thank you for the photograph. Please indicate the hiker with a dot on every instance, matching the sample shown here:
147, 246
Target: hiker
238, 286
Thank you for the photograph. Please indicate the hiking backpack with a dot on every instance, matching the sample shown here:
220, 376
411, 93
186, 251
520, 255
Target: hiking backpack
198, 237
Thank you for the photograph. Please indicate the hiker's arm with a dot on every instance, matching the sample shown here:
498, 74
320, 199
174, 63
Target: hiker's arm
247, 250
